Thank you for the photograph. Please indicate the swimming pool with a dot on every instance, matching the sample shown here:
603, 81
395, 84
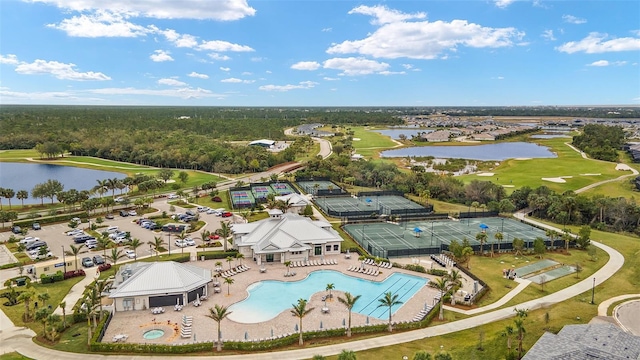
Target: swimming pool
269, 298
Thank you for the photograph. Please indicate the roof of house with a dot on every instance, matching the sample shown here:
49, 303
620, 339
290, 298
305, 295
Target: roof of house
290, 232
591, 341
294, 199
263, 142
165, 277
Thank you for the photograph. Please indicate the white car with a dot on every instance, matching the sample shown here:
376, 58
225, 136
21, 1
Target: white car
190, 242
75, 232
120, 239
29, 240
132, 213
119, 199
39, 256
130, 253
173, 196
116, 234
181, 243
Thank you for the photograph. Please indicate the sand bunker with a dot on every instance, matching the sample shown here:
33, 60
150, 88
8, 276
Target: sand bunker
559, 179
623, 167
356, 139
508, 186
485, 174
590, 174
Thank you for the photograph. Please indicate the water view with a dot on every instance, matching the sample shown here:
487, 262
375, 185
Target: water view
487, 152
23, 176
395, 133
549, 136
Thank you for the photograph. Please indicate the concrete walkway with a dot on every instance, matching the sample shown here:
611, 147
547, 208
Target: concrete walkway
604, 306
76, 291
522, 284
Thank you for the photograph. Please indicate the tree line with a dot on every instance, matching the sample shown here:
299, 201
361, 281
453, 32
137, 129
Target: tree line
600, 142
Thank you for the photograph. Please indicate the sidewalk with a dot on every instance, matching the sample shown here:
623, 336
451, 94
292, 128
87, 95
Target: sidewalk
523, 283
76, 291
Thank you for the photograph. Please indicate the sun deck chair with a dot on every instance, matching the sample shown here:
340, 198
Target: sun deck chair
350, 268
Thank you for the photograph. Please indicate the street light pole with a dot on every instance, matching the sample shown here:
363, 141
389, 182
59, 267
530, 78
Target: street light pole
593, 291
64, 259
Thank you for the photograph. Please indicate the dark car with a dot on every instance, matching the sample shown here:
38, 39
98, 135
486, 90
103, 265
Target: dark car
124, 213
35, 245
109, 216
87, 262
98, 260
36, 226
16, 230
190, 213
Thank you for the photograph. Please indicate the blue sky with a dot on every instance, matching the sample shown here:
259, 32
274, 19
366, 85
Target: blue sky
319, 53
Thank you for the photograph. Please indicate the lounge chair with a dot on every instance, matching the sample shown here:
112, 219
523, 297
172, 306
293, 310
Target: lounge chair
350, 268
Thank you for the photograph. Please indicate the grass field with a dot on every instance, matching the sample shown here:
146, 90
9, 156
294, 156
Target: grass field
13, 356
370, 143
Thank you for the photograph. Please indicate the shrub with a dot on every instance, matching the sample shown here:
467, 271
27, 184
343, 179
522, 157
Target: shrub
216, 199
14, 282
73, 273
437, 272
104, 267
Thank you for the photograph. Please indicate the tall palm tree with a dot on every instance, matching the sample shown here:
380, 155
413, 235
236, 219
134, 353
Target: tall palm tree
43, 297
134, 244
498, 236
26, 296
552, 235
482, 238
75, 250
228, 281
112, 184
225, 231
101, 188
519, 323
183, 235
24, 194
389, 300
63, 306
300, 310
508, 332
567, 238
115, 256
239, 257
443, 285
102, 286
229, 260
287, 264
157, 244
329, 288
103, 243
349, 301
218, 313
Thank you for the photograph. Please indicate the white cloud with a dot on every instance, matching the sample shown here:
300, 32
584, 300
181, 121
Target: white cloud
327, 29
330, 78
548, 35
225, 68
222, 46
247, 73
10, 59
595, 43
306, 65
573, 19
5, 93
300, 85
237, 81
102, 23
59, 70
171, 82
223, 10
352, 66
384, 15
601, 63
216, 56
387, 72
257, 59
177, 39
503, 3
197, 75
186, 93
426, 40
160, 56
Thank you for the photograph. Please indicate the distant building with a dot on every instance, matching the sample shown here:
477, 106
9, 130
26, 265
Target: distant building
296, 202
483, 137
264, 143
437, 136
582, 342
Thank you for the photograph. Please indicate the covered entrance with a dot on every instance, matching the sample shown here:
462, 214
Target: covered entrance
269, 257
166, 300
318, 250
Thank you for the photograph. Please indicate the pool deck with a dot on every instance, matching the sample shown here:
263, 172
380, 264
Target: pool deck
135, 323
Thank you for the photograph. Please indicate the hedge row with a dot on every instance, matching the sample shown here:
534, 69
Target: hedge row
209, 255
49, 219
48, 279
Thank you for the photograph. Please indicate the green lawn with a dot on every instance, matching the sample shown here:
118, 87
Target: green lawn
370, 142
13, 356
18, 155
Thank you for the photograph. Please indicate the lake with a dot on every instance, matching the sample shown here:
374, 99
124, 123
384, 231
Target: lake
24, 176
395, 133
501, 151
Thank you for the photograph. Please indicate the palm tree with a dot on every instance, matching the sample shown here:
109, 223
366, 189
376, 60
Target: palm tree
24, 194
101, 188
74, 252
134, 244
482, 238
183, 235
240, 256
115, 256
521, 331
26, 296
567, 238
218, 313
63, 306
455, 281
103, 243
225, 231
157, 244
228, 281
300, 310
443, 285
508, 332
287, 264
229, 260
102, 286
329, 288
112, 184
349, 301
389, 300
43, 297
498, 236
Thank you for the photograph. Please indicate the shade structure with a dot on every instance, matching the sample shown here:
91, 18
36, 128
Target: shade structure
368, 200
484, 226
417, 229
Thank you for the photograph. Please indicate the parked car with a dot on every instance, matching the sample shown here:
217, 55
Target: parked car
87, 262
173, 196
190, 213
36, 226
77, 220
98, 260
202, 208
35, 245
130, 253
226, 214
190, 242
115, 234
121, 239
16, 230
75, 232
41, 256
133, 213
91, 246
29, 240
211, 211
109, 216
119, 199
124, 213
181, 243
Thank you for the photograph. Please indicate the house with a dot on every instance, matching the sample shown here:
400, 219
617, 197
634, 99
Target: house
264, 143
483, 137
437, 136
297, 203
144, 285
285, 237
591, 341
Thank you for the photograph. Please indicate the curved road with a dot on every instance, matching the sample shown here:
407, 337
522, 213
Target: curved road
325, 145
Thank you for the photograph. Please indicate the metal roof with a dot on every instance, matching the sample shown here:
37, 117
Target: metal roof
156, 278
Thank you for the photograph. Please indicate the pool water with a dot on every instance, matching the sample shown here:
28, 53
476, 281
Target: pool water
269, 298
153, 334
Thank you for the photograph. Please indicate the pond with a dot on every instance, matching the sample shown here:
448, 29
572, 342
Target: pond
501, 151
24, 176
395, 133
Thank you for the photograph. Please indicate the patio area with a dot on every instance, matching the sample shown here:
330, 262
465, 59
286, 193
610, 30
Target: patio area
327, 314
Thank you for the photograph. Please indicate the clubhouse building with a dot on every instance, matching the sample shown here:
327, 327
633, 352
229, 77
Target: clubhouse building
285, 237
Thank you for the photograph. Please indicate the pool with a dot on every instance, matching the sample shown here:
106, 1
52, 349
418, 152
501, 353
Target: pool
269, 298
153, 334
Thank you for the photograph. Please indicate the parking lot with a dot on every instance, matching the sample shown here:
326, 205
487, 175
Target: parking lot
57, 240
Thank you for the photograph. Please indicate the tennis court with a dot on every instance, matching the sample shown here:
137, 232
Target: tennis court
430, 237
242, 198
261, 192
312, 187
352, 206
282, 189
